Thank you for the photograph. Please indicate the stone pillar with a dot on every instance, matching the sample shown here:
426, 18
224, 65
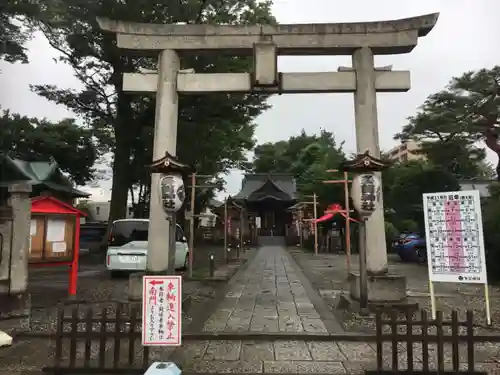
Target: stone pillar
21, 215
365, 112
165, 139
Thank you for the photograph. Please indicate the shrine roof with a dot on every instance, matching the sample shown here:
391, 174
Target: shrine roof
45, 173
285, 183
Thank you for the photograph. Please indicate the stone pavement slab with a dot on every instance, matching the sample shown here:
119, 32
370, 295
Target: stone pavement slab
300, 357
271, 295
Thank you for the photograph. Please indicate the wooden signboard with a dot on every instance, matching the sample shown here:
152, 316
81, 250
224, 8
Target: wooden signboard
52, 238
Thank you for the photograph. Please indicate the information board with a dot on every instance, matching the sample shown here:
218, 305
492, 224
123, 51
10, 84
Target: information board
161, 315
454, 236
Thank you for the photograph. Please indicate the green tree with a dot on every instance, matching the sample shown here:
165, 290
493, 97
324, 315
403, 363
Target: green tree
403, 187
14, 31
491, 223
451, 121
30, 139
214, 131
306, 157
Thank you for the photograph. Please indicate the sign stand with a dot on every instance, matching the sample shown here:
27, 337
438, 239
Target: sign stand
433, 299
455, 242
487, 303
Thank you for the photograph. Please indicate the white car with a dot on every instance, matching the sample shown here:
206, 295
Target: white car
128, 246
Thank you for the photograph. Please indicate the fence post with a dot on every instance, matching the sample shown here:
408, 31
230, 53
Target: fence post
470, 341
211, 265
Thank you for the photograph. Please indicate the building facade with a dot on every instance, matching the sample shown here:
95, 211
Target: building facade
406, 151
266, 198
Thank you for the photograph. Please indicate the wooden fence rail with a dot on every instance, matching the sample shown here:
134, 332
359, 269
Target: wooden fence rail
107, 340
404, 333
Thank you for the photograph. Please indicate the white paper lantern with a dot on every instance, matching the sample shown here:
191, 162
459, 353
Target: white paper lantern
163, 368
172, 192
366, 194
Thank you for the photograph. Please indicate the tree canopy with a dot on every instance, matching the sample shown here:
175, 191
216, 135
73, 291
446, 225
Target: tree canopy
14, 31
451, 122
70, 145
307, 158
403, 186
214, 132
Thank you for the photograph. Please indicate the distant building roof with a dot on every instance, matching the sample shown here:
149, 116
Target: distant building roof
45, 173
262, 185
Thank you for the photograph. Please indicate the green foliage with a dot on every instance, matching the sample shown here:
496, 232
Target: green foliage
70, 145
391, 232
14, 31
404, 185
451, 121
307, 157
214, 131
491, 225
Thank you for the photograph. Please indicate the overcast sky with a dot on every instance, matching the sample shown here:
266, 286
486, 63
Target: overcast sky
463, 39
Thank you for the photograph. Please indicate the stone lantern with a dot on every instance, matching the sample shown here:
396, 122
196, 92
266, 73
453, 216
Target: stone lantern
366, 193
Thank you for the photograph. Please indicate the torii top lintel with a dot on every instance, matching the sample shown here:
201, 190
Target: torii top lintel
383, 37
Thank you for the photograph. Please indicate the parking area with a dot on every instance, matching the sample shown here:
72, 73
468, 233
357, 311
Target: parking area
328, 274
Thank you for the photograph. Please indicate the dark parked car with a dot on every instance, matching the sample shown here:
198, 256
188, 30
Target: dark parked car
411, 247
92, 237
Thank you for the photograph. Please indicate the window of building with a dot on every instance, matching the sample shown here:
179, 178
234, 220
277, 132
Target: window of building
98, 210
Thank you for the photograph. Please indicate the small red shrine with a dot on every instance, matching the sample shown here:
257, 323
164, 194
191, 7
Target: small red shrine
55, 236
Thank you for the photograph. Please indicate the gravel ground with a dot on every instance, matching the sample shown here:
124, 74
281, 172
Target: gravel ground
328, 274
48, 288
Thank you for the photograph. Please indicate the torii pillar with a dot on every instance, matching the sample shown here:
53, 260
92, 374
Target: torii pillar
361, 40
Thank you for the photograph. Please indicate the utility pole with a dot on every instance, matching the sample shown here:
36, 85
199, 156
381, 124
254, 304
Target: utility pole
192, 217
345, 181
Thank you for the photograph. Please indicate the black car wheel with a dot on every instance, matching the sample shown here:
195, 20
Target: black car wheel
421, 255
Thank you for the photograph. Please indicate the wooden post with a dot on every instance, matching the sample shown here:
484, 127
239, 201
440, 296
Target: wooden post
300, 226
225, 230
315, 213
348, 223
345, 182
241, 228
191, 225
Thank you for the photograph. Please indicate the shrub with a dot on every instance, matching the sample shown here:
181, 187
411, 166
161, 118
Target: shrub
491, 229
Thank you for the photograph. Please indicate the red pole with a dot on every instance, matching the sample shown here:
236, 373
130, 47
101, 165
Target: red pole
73, 276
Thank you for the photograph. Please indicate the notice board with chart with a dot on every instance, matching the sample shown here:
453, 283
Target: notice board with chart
454, 235
454, 241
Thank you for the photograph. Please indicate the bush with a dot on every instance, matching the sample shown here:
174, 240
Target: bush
391, 232
491, 229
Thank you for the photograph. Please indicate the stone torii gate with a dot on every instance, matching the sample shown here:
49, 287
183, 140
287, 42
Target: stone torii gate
361, 40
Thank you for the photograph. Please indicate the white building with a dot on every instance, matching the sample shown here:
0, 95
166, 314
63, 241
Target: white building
99, 211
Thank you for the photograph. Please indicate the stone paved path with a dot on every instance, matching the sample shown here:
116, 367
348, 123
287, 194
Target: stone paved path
314, 357
271, 295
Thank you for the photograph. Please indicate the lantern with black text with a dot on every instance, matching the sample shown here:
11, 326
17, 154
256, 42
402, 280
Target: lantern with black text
366, 194
171, 185
172, 192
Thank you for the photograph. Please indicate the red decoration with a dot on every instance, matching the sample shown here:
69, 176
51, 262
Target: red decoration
331, 211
